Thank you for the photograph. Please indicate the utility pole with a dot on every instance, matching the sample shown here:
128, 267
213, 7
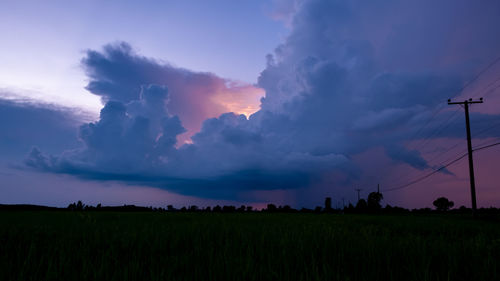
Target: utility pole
358, 190
465, 105
378, 188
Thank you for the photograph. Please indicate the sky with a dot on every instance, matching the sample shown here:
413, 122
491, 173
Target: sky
247, 102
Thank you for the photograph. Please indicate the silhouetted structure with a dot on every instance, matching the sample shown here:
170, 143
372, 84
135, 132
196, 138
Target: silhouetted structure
465, 105
358, 190
328, 204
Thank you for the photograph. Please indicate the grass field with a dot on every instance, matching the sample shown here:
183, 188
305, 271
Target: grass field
51, 245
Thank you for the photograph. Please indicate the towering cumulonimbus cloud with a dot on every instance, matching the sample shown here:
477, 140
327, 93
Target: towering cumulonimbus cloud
352, 76
118, 73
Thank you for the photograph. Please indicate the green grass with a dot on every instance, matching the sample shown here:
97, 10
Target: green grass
250, 246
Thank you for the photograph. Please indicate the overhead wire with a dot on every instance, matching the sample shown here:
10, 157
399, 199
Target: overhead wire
446, 124
439, 169
486, 91
477, 134
425, 176
486, 146
439, 130
438, 156
495, 61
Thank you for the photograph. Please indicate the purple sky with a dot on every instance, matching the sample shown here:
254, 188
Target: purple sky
225, 102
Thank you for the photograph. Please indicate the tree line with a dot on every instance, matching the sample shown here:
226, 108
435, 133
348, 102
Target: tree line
370, 205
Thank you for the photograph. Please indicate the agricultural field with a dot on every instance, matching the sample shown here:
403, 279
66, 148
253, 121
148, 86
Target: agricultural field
65, 245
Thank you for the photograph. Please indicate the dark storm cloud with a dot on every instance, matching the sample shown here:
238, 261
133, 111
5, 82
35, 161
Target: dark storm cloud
134, 142
25, 124
351, 76
356, 74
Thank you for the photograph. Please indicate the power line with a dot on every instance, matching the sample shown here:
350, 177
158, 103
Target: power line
486, 129
438, 170
447, 123
440, 108
485, 91
425, 176
439, 130
465, 86
495, 61
436, 111
459, 142
443, 165
487, 141
438, 156
486, 146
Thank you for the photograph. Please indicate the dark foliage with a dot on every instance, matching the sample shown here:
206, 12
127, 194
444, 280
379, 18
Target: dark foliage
443, 204
372, 206
373, 202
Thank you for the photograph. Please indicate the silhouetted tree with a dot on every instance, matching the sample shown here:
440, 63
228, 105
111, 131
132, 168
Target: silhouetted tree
170, 208
374, 199
249, 208
361, 205
241, 208
217, 208
228, 209
443, 204
193, 208
79, 206
463, 209
318, 209
285, 209
349, 208
271, 208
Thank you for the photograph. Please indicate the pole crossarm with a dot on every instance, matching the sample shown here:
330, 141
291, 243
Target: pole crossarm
470, 101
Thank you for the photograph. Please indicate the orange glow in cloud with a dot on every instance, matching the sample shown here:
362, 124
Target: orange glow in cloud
240, 98
237, 97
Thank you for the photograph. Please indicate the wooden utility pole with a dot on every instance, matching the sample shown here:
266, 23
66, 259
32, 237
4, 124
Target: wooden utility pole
465, 105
